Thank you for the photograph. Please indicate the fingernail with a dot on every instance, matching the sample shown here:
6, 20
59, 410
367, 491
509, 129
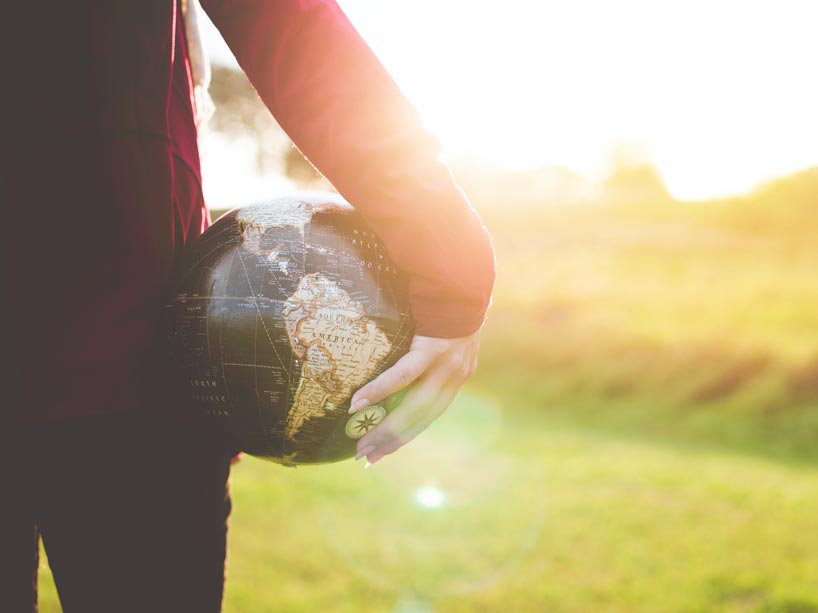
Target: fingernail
365, 451
358, 405
370, 463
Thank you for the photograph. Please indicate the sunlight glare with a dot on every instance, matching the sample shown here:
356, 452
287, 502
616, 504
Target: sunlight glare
720, 94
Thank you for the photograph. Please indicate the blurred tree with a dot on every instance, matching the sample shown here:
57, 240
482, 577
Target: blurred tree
632, 179
240, 114
299, 169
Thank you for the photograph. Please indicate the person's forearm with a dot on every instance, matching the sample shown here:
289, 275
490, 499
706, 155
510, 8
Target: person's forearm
338, 104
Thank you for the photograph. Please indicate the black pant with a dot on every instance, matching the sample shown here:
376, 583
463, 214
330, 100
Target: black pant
132, 511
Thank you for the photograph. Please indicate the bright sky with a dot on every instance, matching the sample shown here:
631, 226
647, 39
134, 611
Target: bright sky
719, 94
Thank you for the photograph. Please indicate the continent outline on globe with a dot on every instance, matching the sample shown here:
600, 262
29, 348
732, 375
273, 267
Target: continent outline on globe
313, 317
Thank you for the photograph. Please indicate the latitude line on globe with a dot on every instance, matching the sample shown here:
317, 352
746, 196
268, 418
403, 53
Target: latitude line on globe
248, 365
261, 298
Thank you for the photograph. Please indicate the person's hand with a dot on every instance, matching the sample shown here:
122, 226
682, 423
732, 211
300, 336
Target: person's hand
438, 367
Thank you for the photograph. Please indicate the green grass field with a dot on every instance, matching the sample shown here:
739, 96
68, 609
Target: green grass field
593, 522
640, 436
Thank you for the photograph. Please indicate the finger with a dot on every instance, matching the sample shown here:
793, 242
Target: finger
442, 376
409, 411
402, 373
439, 407
420, 398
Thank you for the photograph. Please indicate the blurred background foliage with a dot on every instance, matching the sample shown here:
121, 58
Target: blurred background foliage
644, 417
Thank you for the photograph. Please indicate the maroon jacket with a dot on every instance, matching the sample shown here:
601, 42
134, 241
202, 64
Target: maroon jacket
100, 179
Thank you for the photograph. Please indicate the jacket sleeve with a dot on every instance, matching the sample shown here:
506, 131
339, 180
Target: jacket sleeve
341, 108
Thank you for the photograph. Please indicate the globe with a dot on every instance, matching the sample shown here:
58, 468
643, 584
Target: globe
281, 312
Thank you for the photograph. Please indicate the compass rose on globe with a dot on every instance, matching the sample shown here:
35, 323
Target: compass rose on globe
364, 420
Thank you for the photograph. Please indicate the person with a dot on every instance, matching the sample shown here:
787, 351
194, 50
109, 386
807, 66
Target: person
101, 189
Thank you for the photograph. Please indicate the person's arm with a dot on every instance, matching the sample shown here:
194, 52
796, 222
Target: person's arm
338, 104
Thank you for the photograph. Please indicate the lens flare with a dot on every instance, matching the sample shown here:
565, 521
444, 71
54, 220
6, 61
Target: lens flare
452, 511
430, 497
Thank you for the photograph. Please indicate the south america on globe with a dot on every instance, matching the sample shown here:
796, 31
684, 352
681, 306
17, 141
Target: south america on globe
281, 312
